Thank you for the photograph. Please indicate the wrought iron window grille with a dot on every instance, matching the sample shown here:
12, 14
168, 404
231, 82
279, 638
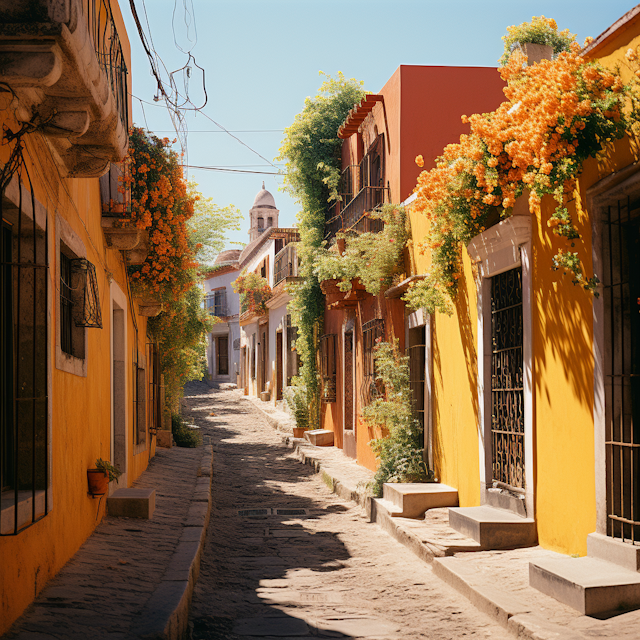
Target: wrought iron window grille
372, 334
621, 298
86, 297
24, 359
507, 381
328, 367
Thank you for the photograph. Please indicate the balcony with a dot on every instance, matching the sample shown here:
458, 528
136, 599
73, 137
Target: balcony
355, 215
119, 230
285, 264
64, 61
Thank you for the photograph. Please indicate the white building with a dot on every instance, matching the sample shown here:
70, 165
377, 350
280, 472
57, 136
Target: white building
255, 352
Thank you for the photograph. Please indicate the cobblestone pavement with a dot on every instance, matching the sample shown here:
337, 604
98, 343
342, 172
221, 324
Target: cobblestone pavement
309, 564
101, 591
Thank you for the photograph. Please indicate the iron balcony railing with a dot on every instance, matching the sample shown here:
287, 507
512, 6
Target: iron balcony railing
106, 43
355, 215
216, 304
285, 264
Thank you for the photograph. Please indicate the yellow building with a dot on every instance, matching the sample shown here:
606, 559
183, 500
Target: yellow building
78, 377
532, 394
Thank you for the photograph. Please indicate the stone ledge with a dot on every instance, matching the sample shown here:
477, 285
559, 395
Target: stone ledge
132, 502
166, 614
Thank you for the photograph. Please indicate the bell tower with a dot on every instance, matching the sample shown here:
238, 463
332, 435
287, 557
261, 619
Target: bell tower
263, 214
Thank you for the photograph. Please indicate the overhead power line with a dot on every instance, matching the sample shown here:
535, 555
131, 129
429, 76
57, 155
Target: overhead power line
264, 173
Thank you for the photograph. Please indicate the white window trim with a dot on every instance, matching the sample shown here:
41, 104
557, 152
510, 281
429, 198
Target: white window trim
64, 361
504, 246
419, 318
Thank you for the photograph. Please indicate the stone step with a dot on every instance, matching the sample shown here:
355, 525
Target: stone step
589, 585
319, 437
493, 528
413, 499
614, 550
132, 503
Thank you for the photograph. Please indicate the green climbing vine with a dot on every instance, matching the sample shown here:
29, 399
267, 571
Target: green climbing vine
312, 152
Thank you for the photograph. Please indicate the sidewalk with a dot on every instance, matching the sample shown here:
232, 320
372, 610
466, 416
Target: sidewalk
496, 582
133, 578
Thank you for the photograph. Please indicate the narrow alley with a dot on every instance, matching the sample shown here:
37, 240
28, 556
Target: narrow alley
285, 557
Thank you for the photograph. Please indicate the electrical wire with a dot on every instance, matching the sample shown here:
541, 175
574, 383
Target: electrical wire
264, 173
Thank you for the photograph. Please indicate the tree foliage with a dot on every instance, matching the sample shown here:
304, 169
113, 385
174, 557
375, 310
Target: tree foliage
312, 152
210, 224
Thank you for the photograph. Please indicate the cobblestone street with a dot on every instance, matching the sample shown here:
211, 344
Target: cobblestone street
309, 563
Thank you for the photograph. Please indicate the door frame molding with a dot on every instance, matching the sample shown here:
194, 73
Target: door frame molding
505, 246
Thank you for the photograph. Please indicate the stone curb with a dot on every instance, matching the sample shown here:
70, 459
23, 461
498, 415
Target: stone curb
508, 611
166, 614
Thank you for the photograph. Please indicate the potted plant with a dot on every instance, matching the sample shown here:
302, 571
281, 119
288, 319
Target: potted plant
296, 399
100, 477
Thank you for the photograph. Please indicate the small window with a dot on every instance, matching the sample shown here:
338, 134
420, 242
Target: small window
269, 221
328, 367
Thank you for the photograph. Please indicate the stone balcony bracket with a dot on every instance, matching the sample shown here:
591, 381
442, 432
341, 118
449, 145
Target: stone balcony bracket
123, 235
48, 58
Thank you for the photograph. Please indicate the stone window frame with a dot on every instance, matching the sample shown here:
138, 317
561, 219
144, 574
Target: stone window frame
505, 246
66, 238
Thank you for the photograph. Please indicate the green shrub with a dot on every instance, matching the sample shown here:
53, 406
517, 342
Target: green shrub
183, 434
399, 452
296, 399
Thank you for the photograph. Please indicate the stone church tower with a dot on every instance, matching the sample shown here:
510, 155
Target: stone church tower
263, 214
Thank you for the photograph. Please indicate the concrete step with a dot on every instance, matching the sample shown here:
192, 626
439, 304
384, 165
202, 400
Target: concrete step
589, 585
319, 437
132, 503
493, 528
614, 550
413, 499
387, 507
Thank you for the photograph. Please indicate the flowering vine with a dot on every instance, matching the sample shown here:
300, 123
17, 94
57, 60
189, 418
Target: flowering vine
161, 204
254, 292
557, 113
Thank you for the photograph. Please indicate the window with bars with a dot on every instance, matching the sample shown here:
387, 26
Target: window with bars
24, 358
621, 298
216, 303
417, 371
293, 357
328, 366
155, 406
79, 302
372, 334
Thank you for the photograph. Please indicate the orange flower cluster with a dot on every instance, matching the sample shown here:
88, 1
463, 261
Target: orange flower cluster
557, 113
160, 203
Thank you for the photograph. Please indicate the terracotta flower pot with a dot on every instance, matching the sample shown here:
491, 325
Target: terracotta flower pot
98, 482
298, 432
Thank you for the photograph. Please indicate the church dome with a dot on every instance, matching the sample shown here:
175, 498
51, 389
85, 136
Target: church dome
264, 199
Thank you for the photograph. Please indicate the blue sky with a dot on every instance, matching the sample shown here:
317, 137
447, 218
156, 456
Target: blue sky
262, 59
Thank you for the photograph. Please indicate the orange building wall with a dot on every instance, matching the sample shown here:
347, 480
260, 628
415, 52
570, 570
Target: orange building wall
80, 414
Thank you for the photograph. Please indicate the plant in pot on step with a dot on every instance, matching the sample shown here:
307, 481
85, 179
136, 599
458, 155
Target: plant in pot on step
296, 399
100, 477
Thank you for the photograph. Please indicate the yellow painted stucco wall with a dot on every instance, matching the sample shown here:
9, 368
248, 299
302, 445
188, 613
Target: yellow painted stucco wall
562, 362
80, 407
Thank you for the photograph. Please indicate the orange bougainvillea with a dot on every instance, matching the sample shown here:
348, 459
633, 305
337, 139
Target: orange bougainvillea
161, 204
557, 113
